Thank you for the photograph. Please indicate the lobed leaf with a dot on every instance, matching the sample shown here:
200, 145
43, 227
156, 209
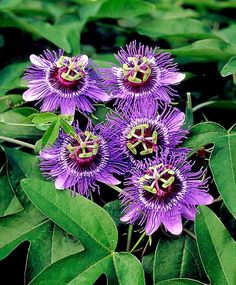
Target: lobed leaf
84, 220
185, 263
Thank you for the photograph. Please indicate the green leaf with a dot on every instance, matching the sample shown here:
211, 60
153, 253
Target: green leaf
162, 28
147, 263
84, 220
18, 115
36, 9
104, 60
71, 27
124, 8
212, 4
18, 228
203, 134
15, 124
216, 247
10, 101
51, 133
44, 118
99, 115
27, 163
185, 263
67, 128
113, 208
229, 68
89, 8
7, 4
9, 204
180, 281
228, 34
41, 29
10, 77
207, 50
49, 243
222, 160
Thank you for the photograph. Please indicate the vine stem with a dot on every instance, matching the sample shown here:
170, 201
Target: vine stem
217, 200
116, 188
234, 78
130, 231
189, 233
18, 142
138, 242
145, 248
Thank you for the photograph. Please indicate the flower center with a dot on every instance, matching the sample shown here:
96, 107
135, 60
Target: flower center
85, 150
142, 140
71, 69
159, 180
137, 70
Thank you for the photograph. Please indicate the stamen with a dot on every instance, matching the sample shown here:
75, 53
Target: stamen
141, 140
158, 179
137, 70
72, 68
86, 148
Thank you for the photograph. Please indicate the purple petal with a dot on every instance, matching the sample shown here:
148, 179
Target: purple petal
153, 223
31, 95
84, 104
68, 107
173, 224
47, 154
61, 181
128, 216
173, 78
97, 94
179, 120
50, 103
199, 197
188, 212
107, 178
38, 61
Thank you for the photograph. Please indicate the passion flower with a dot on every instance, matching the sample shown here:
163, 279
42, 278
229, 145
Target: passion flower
59, 81
144, 74
80, 162
140, 133
164, 191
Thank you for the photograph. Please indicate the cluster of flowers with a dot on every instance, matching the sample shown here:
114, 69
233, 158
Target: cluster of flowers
139, 140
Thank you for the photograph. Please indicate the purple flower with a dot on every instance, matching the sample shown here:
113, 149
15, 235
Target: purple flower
145, 74
162, 192
61, 81
140, 132
81, 162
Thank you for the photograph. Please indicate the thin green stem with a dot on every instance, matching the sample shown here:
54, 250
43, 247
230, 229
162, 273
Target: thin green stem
116, 188
234, 78
130, 231
189, 233
18, 142
138, 242
145, 248
202, 105
189, 101
19, 124
219, 199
